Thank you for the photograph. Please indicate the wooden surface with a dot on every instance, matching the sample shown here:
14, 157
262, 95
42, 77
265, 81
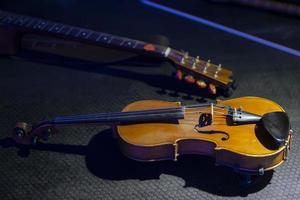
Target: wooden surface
243, 139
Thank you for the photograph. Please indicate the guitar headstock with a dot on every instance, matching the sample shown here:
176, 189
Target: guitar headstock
27, 134
203, 74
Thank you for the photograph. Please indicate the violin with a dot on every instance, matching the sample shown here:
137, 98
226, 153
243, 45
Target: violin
248, 134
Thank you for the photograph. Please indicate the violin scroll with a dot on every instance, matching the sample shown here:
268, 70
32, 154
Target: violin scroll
27, 134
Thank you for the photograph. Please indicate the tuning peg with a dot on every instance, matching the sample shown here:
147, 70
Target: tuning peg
212, 88
189, 79
201, 84
186, 55
179, 75
195, 62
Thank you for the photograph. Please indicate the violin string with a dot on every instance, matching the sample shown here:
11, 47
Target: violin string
189, 113
128, 114
121, 114
124, 115
83, 118
131, 112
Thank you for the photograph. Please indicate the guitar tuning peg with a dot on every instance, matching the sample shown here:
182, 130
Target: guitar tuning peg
189, 79
186, 54
212, 88
179, 75
208, 62
201, 84
197, 59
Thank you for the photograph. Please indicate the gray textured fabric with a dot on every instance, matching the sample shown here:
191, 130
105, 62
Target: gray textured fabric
85, 163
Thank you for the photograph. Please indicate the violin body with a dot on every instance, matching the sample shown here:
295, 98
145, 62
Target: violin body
243, 147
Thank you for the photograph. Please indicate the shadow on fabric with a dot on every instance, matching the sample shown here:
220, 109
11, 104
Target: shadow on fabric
167, 84
104, 160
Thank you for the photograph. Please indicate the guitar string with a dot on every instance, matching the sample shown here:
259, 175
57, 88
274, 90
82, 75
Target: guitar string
191, 61
209, 69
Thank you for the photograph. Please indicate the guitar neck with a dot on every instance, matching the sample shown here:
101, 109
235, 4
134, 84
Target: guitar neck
35, 25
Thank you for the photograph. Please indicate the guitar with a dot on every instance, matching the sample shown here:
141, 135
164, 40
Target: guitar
248, 134
193, 70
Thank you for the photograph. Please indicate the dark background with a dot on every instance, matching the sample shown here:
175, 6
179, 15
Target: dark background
85, 163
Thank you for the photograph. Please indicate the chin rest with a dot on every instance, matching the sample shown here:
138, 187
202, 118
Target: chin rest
277, 124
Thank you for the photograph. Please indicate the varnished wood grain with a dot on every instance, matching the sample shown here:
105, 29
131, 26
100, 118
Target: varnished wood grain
243, 149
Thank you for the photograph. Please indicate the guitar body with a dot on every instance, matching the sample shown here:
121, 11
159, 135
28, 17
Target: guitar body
244, 147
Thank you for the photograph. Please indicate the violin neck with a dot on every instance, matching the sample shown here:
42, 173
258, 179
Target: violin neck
167, 114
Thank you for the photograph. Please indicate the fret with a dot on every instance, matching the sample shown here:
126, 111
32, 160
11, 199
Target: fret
129, 43
109, 40
33, 23
30, 21
74, 32
139, 45
49, 26
84, 34
41, 25
94, 36
56, 28
134, 46
104, 38
15, 21
21, 21
65, 30
2, 19
116, 41
8, 19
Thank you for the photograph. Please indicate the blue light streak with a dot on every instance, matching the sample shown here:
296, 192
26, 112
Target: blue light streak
223, 28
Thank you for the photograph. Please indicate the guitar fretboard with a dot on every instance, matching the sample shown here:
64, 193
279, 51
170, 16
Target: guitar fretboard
45, 26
